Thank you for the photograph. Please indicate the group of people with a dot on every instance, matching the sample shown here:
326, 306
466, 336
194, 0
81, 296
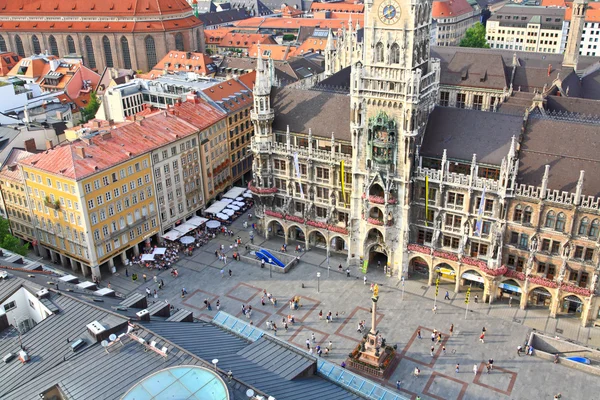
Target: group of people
269, 297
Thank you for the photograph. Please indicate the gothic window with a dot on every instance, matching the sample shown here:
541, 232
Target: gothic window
19, 44
107, 51
594, 229
150, 52
518, 213
2, 44
550, 219
527, 215
125, 51
89, 50
379, 52
444, 99
560, 222
71, 45
395, 54
37, 49
583, 226
53, 46
179, 41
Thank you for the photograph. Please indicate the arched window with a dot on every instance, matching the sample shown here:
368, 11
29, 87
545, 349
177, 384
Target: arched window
107, 52
19, 44
518, 213
53, 46
583, 226
150, 52
560, 222
379, 52
594, 229
89, 52
125, 50
2, 44
527, 215
395, 54
179, 41
71, 45
550, 219
37, 49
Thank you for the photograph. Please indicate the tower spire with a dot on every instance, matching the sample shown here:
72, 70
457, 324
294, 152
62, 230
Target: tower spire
571, 56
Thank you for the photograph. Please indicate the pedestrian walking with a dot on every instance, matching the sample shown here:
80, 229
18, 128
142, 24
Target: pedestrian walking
510, 301
218, 305
285, 326
419, 333
155, 294
365, 280
451, 328
432, 350
476, 299
491, 363
262, 300
475, 369
435, 309
432, 337
487, 367
310, 350
348, 272
457, 368
313, 338
126, 273
230, 273
417, 372
222, 272
148, 292
308, 344
319, 352
372, 285
329, 345
321, 314
398, 385
155, 279
447, 296
439, 338
444, 350
481, 337
519, 350
162, 284
145, 278
207, 305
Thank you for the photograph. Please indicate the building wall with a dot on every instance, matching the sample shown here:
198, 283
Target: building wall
590, 38
214, 154
450, 31
17, 209
240, 130
531, 38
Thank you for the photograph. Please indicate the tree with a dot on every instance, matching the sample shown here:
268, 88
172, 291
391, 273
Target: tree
90, 110
9, 242
475, 37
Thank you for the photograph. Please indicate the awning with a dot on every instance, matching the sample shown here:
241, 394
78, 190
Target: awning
239, 198
172, 235
445, 271
159, 251
185, 228
542, 292
196, 221
213, 224
512, 288
215, 208
147, 257
69, 278
234, 192
472, 277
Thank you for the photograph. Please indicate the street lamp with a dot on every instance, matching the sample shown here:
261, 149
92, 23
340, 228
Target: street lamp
318, 282
270, 268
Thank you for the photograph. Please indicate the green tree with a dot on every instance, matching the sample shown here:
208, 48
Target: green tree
90, 110
9, 242
475, 37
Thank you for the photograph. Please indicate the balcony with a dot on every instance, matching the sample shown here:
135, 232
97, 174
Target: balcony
266, 115
52, 204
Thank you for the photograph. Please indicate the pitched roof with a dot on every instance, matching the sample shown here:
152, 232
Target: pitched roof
111, 147
9, 171
450, 8
539, 148
475, 70
198, 113
573, 105
295, 23
158, 24
279, 52
312, 45
175, 61
340, 6
7, 61
223, 17
230, 95
94, 8
312, 109
463, 133
245, 40
254, 7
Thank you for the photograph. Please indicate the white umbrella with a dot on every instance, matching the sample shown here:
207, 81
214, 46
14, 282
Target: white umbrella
147, 257
222, 216
248, 195
233, 207
228, 211
213, 224
239, 203
239, 198
187, 240
226, 201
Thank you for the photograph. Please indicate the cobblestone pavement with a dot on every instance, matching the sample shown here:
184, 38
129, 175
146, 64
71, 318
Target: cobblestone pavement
400, 314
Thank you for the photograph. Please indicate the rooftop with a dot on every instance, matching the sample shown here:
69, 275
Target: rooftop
139, 8
296, 23
231, 95
450, 8
175, 61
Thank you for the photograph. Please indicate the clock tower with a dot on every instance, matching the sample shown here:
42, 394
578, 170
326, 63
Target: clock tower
393, 90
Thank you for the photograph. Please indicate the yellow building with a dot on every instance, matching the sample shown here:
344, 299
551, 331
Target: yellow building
93, 199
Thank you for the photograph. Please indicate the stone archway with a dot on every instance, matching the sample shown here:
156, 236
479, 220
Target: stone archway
445, 272
539, 297
571, 305
418, 268
509, 291
296, 233
473, 279
316, 238
338, 244
275, 229
377, 255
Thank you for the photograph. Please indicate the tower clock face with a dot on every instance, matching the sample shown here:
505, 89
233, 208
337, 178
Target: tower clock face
389, 12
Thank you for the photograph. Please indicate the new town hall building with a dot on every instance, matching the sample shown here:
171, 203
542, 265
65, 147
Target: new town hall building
473, 165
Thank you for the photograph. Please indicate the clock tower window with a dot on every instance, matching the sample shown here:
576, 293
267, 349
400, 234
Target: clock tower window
395, 54
379, 52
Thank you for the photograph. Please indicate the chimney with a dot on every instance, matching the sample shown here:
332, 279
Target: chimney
30, 145
105, 135
49, 144
80, 151
192, 97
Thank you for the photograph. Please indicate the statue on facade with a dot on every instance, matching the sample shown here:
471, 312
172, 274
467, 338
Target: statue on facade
533, 244
566, 253
594, 284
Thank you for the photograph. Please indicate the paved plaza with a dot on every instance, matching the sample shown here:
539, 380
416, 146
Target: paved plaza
400, 315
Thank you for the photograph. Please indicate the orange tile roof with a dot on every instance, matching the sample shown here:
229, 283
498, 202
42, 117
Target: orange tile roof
555, 3
231, 95
215, 36
296, 23
176, 61
290, 12
93, 8
248, 79
342, 6
450, 8
126, 141
7, 61
198, 112
31, 67
245, 40
311, 45
108, 26
8, 171
278, 52
592, 13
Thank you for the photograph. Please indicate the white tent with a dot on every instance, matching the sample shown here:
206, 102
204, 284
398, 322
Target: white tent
233, 207
234, 192
196, 221
239, 198
159, 251
147, 257
185, 228
215, 208
172, 235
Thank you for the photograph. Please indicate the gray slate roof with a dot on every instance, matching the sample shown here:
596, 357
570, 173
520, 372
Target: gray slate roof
475, 70
222, 17
322, 111
568, 147
466, 132
573, 105
265, 364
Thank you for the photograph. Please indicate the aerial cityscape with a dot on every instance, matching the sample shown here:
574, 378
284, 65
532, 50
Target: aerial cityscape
291, 200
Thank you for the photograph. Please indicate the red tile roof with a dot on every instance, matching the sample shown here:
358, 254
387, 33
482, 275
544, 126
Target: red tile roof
117, 145
215, 36
107, 26
9, 171
556, 3
198, 112
245, 40
232, 95
450, 8
248, 79
93, 8
342, 6
296, 23
290, 12
7, 61
278, 52
311, 45
592, 13
176, 61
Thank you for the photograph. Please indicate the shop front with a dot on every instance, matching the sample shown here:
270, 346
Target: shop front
473, 279
572, 305
509, 289
445, 273
540, 297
